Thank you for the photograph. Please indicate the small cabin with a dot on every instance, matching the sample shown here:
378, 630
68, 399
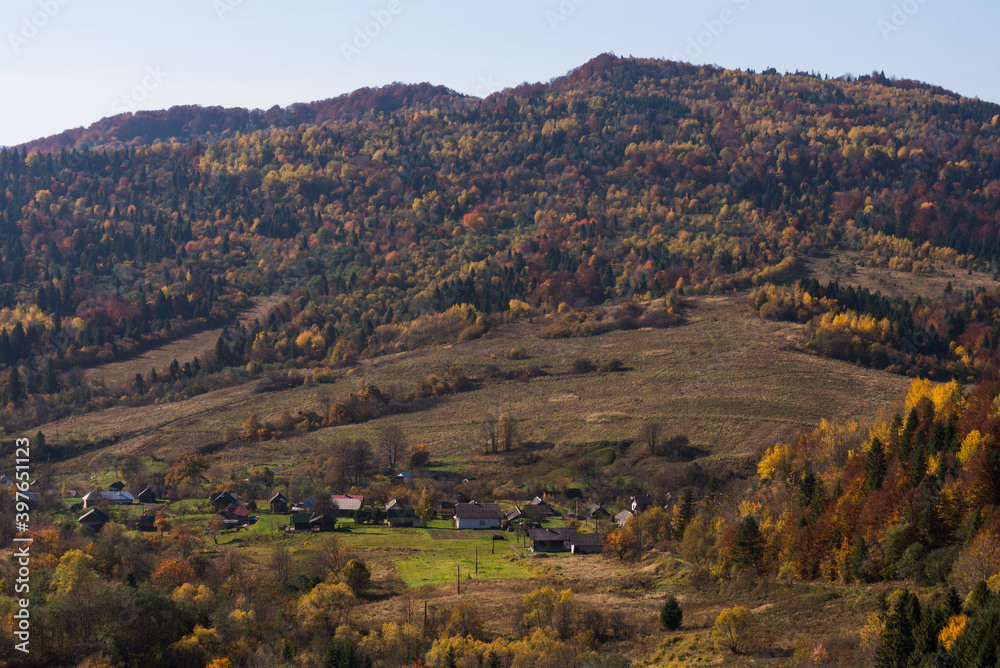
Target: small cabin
222, 499
585, 543
398, 515
94, 519
279, 504
146, 496
596, 511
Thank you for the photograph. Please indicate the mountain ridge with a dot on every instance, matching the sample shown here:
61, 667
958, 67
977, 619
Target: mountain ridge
208, 123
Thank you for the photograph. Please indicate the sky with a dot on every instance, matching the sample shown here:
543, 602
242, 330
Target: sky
67, 63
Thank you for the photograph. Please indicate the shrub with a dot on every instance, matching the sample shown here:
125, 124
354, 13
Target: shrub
582, 365
735, 630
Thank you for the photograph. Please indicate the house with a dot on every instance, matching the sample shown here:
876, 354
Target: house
222, 499
312, 522
398, 515
114, 498
474, 515
116, 486
322, 522
234, 516
513, 515
537, 508
279, 504
403, 478
305, 505
146, 496
345, 505
94, 519
641, 503
586, 543
146, 523
550, 540
622, 518
596, 511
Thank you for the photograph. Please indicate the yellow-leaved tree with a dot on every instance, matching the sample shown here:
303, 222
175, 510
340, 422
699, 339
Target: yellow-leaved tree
325, 607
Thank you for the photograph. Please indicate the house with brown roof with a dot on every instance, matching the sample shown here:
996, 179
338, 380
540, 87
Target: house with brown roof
279, 504
146, 523
398, 515
596, 511
537, 508
474, 515
94, 519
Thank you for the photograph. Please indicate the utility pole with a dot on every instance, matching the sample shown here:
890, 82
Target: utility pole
458, 580
477, 560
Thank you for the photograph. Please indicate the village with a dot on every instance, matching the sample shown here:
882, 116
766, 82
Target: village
541, 527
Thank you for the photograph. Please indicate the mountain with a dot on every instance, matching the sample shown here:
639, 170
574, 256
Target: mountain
192, 122
379, 211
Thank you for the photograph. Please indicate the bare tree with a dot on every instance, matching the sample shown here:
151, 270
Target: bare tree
325, 398
360, 461
489, 434
281, 562
649, 434
392, 444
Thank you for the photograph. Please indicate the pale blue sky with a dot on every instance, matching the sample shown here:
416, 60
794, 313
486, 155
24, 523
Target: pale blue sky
66, 63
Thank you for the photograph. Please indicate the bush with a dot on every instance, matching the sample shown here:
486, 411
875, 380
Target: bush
516, 354
610, 366
735, 630
582, 365
671, 615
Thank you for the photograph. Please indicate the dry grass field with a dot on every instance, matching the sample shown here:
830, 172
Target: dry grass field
848, 268
726, 379
183, 350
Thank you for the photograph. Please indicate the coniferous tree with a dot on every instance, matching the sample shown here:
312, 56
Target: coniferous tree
875, 466
748, 543
671, 615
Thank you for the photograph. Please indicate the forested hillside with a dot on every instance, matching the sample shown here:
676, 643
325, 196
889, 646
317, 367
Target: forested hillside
627, 179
